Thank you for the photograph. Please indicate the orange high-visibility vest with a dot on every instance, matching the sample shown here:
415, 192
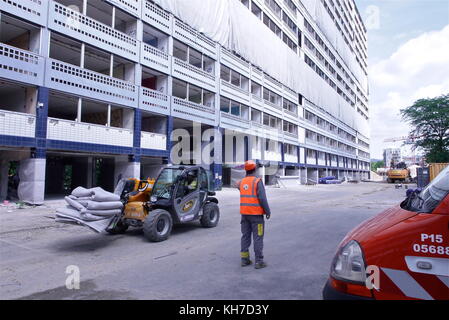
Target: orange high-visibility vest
249, 202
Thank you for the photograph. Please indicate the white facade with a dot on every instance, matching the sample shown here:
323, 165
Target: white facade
116, 77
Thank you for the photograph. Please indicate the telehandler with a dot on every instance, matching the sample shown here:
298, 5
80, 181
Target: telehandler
179, 195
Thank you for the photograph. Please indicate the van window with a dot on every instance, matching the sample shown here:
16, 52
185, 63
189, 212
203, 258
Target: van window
432, 195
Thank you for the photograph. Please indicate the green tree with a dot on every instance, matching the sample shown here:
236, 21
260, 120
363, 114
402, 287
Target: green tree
376, 165
430, 120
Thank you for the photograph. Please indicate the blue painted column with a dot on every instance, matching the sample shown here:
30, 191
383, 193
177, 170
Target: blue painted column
217, 165
282, 152
169, 141
43, 95
137, 131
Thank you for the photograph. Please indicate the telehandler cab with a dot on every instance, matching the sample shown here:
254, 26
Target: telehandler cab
179, 195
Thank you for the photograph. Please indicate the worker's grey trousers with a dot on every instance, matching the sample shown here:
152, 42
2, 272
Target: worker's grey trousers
253, 225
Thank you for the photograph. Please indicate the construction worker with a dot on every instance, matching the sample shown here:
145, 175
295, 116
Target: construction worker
253, 206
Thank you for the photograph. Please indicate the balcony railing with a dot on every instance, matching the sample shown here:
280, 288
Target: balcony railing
21, 65
157, 17
154, 101
66, 77
155, 59
233, 121
71, 23
290, 94
235, 93
290, 158
187, 72
256, 75
195, 39
192, 111
34, 10
256, 101
275, 107
273, 156
17, 124
65, 130
132, 6
153, 141
234, 62
273, 84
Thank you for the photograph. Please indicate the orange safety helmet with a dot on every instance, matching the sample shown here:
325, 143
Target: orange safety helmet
250, 165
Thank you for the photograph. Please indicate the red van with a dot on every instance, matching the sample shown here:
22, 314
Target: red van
403, 253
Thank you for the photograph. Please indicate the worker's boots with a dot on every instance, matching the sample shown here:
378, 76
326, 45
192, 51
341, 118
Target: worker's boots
246, 262
260, 265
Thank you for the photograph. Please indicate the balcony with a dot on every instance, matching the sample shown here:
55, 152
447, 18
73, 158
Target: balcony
290, 158
153, 141
256, 75
17, 124
72, 131
154, 101
194, 75
196, 40
291, 116
132, 6
34, 11
230, 121
155, 59
273, 156
290, 94
232, 61
256, 102
76, 25
235, 93
192, 111
66, 77
156, 17
273, 85
275, 109
291, 137
311, 161
20, 65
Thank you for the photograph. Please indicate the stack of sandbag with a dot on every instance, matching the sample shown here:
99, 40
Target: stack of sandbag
94, 208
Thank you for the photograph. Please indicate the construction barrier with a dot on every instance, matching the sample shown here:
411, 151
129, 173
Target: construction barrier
436, 168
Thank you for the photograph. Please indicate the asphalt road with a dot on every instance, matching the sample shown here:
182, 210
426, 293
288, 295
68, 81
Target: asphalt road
306, 226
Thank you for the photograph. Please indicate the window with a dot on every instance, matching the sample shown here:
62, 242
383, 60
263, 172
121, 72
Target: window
195, 94
256, 89
193, 57
256, 116
256, 10
224, 104
274, 7
290, 106
225, 73
192, 93
235, 108
235, 79
271, 97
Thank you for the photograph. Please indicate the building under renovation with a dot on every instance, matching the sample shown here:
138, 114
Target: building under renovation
92, 91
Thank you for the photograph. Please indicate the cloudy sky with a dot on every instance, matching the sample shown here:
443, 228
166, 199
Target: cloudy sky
408, 59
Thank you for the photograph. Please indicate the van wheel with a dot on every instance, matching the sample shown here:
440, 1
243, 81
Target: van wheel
211, 215
158, 225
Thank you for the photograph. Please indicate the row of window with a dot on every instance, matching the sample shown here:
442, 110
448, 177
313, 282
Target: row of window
326, 125
328, 80
332, 57
364, 65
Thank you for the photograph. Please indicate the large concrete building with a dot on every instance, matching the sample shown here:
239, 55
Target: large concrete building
92, 90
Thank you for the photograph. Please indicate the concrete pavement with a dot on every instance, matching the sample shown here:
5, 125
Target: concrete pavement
307, 224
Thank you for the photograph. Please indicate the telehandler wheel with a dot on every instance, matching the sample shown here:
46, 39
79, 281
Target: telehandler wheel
211, 215
158, 225
119, 228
